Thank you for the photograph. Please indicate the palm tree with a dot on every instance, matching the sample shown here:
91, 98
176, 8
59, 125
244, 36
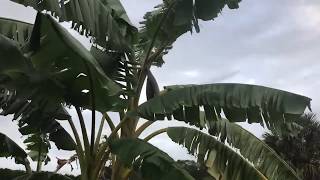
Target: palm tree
45, 70
298, 144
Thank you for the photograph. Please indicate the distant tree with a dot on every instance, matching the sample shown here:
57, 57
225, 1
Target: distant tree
298, 143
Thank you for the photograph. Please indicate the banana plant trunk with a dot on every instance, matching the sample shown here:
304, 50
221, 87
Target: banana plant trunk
119, 171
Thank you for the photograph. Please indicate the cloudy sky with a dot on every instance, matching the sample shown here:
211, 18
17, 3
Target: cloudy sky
274, 43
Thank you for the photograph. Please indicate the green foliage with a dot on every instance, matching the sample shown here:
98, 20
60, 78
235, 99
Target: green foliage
9, 148
62, 139
16, 30
67, 71
150, 161
38, 146
239, 102
14, 63
38, 133
253, 149
298, 143
36, 120
71, 66
120, 69
231, 164
100, 19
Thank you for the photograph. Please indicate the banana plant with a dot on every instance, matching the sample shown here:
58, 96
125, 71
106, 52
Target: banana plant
47, 69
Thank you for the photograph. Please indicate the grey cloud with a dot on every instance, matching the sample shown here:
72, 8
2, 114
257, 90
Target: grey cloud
12, 10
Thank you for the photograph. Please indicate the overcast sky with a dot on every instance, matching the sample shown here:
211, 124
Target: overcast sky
274, 43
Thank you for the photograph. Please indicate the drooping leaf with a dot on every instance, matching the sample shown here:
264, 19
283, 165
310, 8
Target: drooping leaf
34, 86
22, 84
265, 159
9, 148
176, 17
16, 30
215, 154
150, 161
62, 139
33, 119
239, 103
105, 20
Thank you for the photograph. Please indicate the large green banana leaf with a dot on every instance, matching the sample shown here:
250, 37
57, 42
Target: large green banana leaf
176, 17
9, 148
238, 102
265, 159
69, 67
15, 66
72, 66
228, 163
148, 160
113, 63
105, 20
